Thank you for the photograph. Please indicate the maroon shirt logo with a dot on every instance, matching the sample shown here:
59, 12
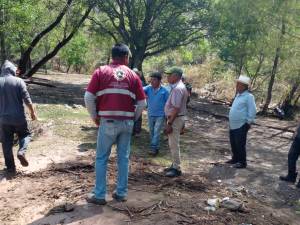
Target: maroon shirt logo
119, 74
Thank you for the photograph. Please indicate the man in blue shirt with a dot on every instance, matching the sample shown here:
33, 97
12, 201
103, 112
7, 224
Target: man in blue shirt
241, 116
157, 96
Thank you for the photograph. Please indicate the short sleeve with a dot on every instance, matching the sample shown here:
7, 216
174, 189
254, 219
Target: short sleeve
146, 89
176, 98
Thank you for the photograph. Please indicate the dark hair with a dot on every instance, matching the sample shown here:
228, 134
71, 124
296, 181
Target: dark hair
156, 75
119, 51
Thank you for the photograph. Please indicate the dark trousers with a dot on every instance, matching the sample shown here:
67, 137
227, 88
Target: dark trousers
293, 155
8, 132
238, 139
137, 127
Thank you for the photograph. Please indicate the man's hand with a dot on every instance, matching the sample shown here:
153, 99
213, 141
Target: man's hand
168, 129
33, 116
248, 126
97, 121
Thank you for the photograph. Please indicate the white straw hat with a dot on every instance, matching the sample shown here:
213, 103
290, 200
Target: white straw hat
244, 80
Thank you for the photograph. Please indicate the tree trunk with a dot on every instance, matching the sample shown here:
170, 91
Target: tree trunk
290, 96
296, 100
25, 57
58, 65
137, 62
240, 68
108, 59
68, 69
3, 47
274, 69
61, 44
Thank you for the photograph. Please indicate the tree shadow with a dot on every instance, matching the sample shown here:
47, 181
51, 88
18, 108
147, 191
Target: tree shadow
62, 93
85, 213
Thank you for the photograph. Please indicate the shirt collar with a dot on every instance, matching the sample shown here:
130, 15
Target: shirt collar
243, 93
174, 85
157, 89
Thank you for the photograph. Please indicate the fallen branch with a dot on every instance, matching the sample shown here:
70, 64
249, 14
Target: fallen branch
219, 101
182, 214
66, 171
284, 130
39, 83
151, 207
218, 116
128, 212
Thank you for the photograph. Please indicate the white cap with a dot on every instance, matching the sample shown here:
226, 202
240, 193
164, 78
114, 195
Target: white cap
244, 80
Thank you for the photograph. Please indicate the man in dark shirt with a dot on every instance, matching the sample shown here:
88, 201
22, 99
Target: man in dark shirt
293, 156
13, 93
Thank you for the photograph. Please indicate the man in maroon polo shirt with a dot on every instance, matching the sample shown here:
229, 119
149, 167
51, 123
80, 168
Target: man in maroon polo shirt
111, 99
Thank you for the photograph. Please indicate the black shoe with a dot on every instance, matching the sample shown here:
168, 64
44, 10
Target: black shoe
231, 161
240, 165
291, 177
94, 200
10, 172
119, 198
173, 173
22, 159
153, 152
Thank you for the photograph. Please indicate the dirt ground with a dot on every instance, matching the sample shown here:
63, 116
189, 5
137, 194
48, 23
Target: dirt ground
52, 189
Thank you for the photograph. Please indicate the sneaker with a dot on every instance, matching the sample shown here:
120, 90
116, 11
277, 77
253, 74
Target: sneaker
231, 161
289, 178
97, 201
240, 165
22, 159
173, 173
119, 198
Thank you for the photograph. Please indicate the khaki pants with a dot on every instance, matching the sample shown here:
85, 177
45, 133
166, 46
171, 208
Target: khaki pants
174, 139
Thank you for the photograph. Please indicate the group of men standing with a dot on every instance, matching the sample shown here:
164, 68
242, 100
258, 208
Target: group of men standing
115, 98
167, 109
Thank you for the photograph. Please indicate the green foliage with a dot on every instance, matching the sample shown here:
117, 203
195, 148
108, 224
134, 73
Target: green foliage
152, 27
234, 36
74, 54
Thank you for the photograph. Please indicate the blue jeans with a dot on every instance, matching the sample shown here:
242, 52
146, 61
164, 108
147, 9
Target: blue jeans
156, 124
113, 132
8, 138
